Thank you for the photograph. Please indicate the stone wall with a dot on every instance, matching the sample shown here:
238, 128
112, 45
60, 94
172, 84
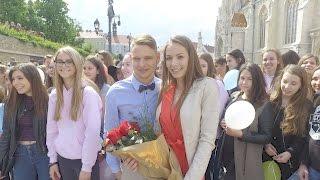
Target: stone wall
20, 51
307, 35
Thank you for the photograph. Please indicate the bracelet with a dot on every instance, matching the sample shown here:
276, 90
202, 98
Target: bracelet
51, 164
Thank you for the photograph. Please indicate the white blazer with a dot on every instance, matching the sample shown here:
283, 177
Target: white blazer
199, 116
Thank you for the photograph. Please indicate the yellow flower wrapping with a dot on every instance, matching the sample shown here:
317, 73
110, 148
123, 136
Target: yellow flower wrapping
155, 159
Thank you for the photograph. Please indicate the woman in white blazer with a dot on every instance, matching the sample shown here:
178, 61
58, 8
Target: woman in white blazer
188, 108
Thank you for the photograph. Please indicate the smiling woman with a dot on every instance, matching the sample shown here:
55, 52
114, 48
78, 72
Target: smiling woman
184, 87
74, 112
27, 105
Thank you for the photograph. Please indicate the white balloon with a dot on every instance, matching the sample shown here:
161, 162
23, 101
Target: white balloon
239, 115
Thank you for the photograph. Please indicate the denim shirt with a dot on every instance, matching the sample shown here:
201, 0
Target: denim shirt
125, 102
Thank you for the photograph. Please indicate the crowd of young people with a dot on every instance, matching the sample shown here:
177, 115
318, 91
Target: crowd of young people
53, 128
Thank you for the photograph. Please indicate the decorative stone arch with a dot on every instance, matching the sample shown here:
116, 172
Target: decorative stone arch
263, 15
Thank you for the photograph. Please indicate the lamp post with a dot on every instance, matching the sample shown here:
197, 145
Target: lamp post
113, 31
129, 37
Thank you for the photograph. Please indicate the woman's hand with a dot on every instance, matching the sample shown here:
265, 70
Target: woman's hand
283, 157
84, 175
223, 124
270, 150
303, 172
234, 132
131, 164
54, 172
229, 131
117, 175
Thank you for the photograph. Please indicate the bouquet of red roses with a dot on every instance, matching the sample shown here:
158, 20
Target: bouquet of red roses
155, 159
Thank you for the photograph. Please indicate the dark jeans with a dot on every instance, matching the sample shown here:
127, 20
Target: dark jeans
70, 169
30, 163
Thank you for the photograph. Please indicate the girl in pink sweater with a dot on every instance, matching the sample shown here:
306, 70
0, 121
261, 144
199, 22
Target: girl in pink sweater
74, 121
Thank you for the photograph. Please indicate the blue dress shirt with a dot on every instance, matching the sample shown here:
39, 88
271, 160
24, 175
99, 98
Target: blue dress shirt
125, 102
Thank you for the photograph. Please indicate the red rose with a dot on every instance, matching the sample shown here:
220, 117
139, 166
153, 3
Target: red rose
135, 126
114, 136
124, 128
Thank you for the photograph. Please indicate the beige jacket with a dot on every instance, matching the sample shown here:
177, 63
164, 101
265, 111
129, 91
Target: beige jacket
199, 116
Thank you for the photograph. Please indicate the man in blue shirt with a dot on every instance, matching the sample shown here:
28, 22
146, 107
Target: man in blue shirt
134, 98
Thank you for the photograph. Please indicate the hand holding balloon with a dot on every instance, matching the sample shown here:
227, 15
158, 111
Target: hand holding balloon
229, 131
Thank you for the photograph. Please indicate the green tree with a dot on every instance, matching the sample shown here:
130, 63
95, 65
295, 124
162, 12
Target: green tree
13, 10
33, 21
58, 26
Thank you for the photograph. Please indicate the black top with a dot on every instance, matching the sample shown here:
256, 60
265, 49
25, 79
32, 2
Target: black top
26, 121
284, 142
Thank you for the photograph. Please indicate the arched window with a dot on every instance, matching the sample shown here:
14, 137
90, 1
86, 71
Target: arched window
262, 25
291, 21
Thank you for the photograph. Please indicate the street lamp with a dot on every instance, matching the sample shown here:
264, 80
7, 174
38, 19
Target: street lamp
96, 25
129, 37
111, 16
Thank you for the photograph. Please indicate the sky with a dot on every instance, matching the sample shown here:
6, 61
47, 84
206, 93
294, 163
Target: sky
160, 18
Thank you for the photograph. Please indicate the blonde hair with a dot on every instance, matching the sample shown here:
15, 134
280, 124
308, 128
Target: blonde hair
76, 100
146, 40
308, 56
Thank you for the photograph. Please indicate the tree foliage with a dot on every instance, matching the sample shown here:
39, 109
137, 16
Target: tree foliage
47, 16
13, 10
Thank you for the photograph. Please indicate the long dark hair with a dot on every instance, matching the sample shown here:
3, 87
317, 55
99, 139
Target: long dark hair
39, 93
102, 76
258, 94
211, 69
194, 71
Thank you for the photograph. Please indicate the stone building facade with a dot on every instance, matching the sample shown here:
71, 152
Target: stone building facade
119, 43
282, 24
22, 52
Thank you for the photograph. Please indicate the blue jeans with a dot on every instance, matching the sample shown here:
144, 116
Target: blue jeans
30, 163
313, 175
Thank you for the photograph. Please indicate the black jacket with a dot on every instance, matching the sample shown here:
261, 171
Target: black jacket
291, 143
9, 138
263, 136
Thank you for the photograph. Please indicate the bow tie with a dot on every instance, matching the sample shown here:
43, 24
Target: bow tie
143, 87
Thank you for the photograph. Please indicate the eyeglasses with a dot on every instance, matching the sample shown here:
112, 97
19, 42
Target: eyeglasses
67, 63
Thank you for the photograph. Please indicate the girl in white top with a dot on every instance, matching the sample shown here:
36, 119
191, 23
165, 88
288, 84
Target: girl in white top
271, 66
